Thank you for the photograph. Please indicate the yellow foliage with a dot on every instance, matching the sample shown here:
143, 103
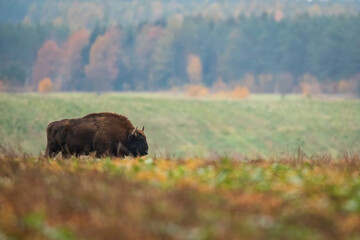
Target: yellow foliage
165, 165
240, 92
159, 176
192, 164
197, 91
45, 85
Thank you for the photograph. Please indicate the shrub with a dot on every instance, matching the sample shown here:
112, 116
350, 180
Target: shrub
197, 91
240, 92
45, 85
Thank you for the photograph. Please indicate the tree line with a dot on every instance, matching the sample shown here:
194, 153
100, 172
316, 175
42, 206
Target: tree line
264, 53
85, 13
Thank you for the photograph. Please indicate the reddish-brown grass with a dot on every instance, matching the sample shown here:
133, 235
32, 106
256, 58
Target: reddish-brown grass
41, 197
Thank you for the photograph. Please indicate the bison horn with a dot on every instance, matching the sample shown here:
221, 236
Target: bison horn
143, 128
133, 132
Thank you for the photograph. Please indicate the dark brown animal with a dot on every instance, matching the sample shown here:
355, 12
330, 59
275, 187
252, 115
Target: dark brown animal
107, 134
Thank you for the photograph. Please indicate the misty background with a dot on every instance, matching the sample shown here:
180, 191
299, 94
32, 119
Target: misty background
273, 46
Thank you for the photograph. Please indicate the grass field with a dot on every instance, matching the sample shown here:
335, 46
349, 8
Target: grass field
179, 126
87, 198
262, 168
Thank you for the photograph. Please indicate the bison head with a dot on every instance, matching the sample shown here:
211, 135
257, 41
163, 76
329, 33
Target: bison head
137, 143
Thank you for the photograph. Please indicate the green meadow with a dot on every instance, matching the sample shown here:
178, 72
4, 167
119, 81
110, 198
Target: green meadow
178, 126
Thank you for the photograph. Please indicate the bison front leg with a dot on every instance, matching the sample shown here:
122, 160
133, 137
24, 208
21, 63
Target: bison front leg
120, 151
66, 151
51, 151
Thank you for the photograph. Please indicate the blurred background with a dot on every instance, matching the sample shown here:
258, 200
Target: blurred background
200, 46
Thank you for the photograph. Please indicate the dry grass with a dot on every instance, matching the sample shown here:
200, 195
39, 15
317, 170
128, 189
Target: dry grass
285, 198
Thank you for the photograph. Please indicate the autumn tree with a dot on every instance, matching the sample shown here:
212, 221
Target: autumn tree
47, 62
102, 69
71, 60
45, 85
145, 43
309, 85
194, 69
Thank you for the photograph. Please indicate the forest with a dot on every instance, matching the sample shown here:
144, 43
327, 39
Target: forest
265, 46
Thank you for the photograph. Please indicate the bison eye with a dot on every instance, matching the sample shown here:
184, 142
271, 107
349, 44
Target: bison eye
140, 140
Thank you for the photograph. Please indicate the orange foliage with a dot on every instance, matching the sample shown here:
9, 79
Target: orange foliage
309, 85
102, 69
194, 69
45, 85
306, 89
71, 56
197, 91
240, 92
47, 62
163, 191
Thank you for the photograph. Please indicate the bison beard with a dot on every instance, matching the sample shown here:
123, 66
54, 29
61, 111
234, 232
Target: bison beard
107, 134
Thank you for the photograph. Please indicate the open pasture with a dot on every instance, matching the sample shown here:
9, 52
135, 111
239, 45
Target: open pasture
179, 126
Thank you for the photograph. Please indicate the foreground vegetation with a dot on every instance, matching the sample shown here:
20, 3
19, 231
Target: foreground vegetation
177, 126
220, 198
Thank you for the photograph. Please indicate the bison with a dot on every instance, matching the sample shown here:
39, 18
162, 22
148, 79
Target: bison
107, 134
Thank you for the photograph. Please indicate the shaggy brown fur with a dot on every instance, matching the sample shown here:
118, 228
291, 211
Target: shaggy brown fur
105, 133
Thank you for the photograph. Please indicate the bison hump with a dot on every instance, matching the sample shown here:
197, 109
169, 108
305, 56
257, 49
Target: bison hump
111, 119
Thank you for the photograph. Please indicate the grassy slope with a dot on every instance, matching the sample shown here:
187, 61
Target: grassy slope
261, 124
